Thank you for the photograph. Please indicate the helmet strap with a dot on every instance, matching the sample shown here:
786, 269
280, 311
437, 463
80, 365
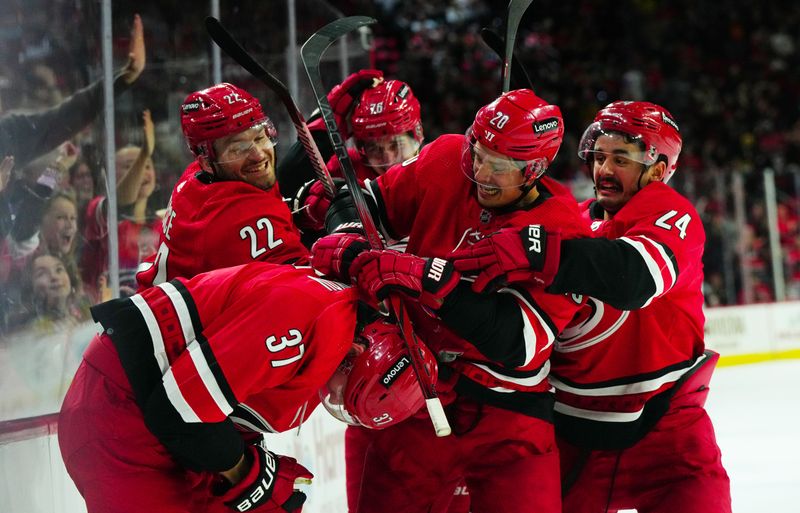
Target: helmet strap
522, 200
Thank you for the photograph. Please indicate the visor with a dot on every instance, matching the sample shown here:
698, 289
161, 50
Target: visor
476, 158
642, 154
332, 394
388, 150
240, 150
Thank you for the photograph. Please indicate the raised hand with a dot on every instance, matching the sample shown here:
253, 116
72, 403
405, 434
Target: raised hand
136, 52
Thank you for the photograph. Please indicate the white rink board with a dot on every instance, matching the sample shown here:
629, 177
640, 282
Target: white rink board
753, 329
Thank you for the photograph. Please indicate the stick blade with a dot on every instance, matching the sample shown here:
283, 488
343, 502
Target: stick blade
516, 8
315, 46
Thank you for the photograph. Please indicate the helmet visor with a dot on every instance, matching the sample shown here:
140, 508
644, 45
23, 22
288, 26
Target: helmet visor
479, 162
332, 394
387, 151
260, 136
598, 140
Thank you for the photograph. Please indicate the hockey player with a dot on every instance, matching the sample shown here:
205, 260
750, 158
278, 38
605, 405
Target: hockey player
226, 209
631, 373
493, 349
155, 418
386, 128
385, 123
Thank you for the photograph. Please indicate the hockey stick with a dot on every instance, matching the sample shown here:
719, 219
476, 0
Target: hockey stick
311, 54
225, 40
519, 74
516, 8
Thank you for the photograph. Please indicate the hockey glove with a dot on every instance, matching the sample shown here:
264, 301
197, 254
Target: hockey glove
269, 484
342, 216
343, 98
332, 255
310, 205
427, 280
511, 255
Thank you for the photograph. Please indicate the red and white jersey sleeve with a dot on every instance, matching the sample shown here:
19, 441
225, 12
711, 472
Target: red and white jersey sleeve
665, 229
613, 367
220, 224
253, 342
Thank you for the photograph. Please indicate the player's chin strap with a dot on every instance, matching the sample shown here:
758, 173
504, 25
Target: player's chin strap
521, 201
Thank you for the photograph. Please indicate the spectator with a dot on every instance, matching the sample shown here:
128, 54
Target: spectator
26, 136
50, 297
136, 180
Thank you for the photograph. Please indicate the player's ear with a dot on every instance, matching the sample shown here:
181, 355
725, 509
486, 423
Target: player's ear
657, 171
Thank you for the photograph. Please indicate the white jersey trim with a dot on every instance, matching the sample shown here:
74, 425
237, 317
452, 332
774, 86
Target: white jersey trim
627, 389
602, 416
210, 382
530, 381
159, 351
652, 265
529, 334
177, 399
182, 310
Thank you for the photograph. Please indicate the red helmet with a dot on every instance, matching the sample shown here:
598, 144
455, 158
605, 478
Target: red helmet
390, 108
219, 111
646, 122
520, 126
375, 386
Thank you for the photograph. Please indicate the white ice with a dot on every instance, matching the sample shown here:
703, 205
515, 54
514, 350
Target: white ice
756, 413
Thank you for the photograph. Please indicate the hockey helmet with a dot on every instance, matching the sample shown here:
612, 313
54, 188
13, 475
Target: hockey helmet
523, 131
384, 115
651, 125
220, 111
376, 386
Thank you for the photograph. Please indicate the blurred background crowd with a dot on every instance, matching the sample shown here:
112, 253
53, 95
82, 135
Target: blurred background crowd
726, 69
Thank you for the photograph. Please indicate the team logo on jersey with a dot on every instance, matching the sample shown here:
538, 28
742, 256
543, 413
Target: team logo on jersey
486, 216
594, 323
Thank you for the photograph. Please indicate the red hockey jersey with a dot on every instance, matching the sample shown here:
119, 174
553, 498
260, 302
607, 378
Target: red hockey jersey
252, 343
215, 224
613, 369
429, 199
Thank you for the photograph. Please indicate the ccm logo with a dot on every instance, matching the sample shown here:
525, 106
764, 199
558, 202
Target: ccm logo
437, 269
534, 238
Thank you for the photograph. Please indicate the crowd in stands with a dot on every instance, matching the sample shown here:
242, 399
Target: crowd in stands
726, 70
